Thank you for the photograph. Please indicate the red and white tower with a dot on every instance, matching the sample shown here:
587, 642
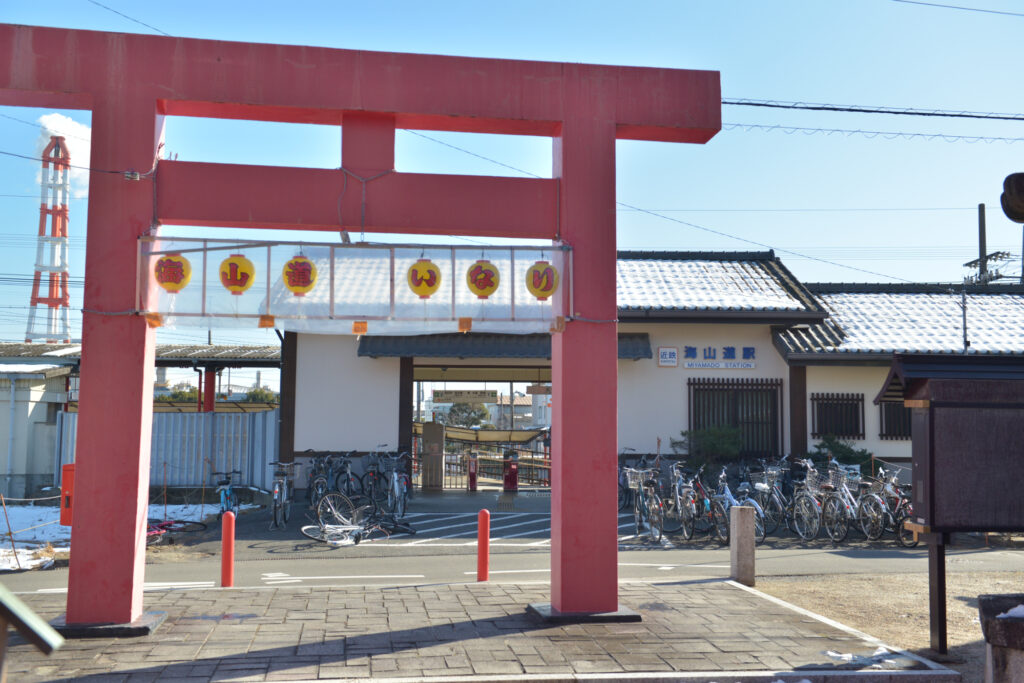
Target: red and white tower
52, 248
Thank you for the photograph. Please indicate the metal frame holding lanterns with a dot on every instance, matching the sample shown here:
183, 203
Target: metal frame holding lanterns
322, 287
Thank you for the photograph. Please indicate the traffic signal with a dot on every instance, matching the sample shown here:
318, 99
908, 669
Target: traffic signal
1012, 198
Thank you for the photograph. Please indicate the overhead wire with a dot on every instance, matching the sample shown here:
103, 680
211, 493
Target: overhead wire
122, 14
890, 135
863, 109
960, 7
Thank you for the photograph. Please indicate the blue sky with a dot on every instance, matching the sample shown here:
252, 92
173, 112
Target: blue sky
836, 206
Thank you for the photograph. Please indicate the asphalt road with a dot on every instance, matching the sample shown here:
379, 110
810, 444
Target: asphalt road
444, 550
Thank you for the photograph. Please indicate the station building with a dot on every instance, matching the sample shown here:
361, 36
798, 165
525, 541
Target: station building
705, 338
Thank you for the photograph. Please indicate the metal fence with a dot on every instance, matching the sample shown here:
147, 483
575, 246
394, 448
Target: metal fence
187, 447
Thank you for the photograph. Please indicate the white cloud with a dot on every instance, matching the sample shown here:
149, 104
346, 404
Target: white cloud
77, 138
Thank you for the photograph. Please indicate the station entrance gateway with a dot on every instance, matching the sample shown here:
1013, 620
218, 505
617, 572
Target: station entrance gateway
130, 82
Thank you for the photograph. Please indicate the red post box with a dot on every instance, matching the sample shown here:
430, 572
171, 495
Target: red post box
67, 492
511, 471
471, 473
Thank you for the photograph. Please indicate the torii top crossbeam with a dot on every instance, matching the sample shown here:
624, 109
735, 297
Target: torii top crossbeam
130, 81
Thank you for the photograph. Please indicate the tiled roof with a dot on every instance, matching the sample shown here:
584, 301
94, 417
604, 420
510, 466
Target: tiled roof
632, 346
872, 320
733, 284
166, 354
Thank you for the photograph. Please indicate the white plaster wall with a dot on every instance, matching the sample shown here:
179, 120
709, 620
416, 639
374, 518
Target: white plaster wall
865, 380
344, 402
653, 400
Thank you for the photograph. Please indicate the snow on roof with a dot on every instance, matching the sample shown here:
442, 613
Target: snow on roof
903, 320
743, 284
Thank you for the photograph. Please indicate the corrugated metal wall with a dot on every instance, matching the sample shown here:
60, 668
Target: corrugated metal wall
188, 447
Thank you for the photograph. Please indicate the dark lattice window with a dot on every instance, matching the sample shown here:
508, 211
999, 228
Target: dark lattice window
752, 405
894, 420
840, 415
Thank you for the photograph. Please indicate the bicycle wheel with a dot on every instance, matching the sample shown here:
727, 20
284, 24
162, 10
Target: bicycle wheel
720, 522
335, 508
871, 515
318, 489
353, 486
623, 497
402, 500
685, 510
806, 517
671, 520
701, 512
833, 517
655, 517
182, 526
638, 514
904, 536
760, 532
328, 534
773, 514
286, 503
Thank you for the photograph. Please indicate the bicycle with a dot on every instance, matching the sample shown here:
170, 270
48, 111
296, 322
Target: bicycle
228, 497
339, 522
647, 505
398, 486
806, 506
768, 491
281, 494
898, 507
839, 506
345, 481
157, 530
373, 483
625, 493
724, 500
316, 481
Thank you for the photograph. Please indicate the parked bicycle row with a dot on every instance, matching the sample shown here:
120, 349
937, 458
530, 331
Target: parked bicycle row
803, 499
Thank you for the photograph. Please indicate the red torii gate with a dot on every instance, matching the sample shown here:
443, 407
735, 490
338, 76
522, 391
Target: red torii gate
130, 82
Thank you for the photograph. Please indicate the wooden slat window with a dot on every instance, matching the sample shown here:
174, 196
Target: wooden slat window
752, 405
894, 419
839, 415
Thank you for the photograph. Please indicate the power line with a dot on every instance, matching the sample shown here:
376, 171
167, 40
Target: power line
813, 210
84, 168
966, 9
110, 9
39, 125
864, 109
686, 223
889, 135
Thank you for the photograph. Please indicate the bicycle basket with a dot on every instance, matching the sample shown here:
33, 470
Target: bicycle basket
634, 477
815, 481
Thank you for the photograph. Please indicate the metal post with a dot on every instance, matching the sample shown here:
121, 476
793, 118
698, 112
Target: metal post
937, 591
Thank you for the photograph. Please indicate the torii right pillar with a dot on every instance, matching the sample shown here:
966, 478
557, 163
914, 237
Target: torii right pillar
584, 355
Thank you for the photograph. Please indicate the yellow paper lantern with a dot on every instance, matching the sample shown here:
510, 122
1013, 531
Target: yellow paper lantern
299, 275
424, 278
482, 278
542, 280
237, 274
172, 272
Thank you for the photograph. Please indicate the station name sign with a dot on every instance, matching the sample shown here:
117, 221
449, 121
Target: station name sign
726, 357
467, 396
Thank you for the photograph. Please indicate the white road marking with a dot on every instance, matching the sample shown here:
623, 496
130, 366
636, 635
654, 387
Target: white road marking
513, 571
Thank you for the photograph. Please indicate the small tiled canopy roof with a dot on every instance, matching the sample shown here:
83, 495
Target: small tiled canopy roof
632, 346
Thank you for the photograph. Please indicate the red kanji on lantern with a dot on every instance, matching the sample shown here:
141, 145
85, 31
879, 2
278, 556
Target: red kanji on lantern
237, 273
424, 278
542, 280
299, 275
172, 272
482, 278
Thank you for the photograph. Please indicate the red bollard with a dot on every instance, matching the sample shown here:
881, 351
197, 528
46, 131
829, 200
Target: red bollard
227, 563
483, 545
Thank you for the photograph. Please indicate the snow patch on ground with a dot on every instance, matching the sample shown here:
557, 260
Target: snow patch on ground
38, 534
